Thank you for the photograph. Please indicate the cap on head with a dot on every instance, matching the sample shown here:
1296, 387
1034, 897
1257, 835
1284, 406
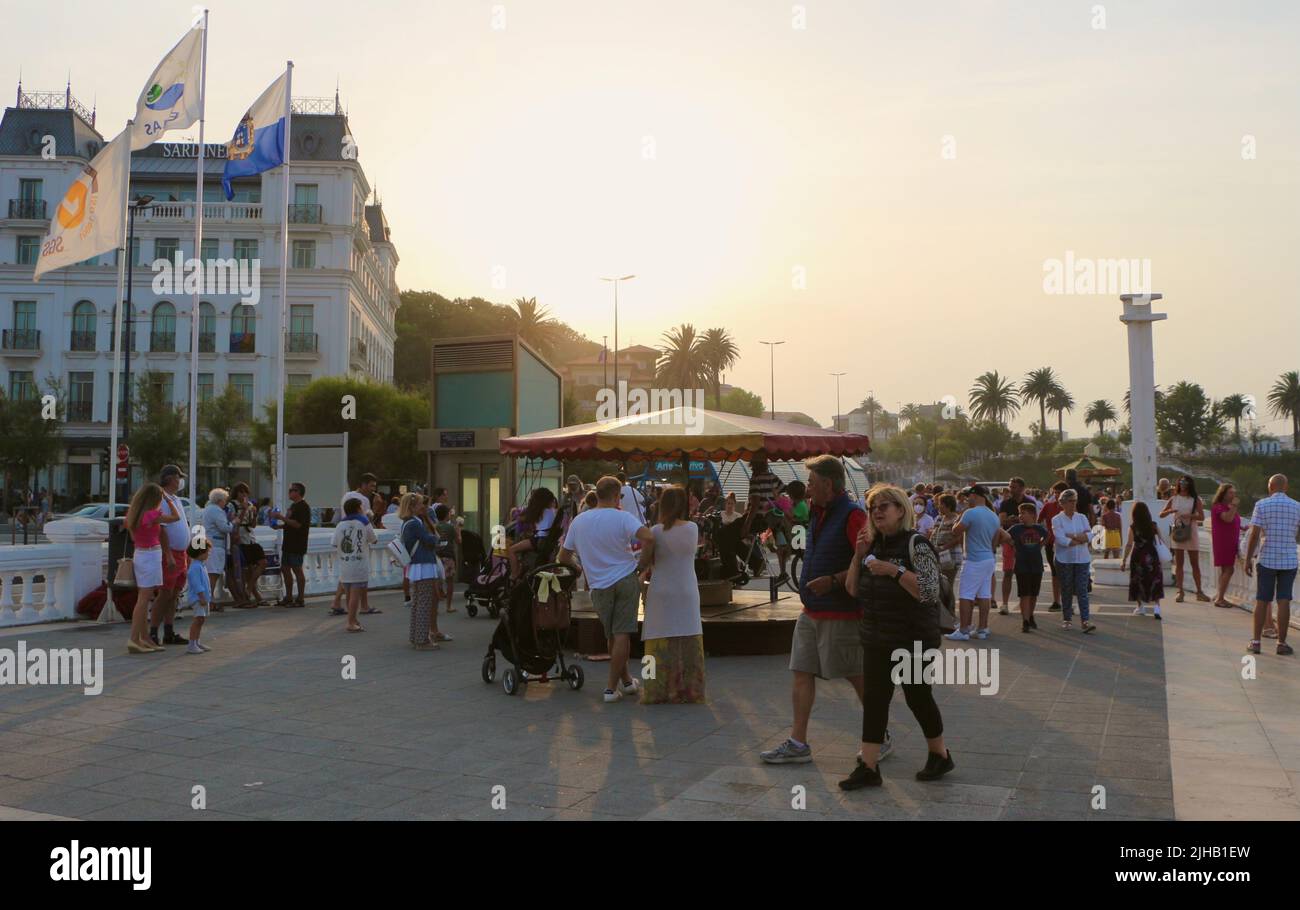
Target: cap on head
168, 472
977, 489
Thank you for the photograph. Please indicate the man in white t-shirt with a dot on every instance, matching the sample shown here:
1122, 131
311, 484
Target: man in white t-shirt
364, 493
601, 539
630, 498
176, 538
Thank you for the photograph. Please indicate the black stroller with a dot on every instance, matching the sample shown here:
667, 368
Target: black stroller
530, 632
487, 576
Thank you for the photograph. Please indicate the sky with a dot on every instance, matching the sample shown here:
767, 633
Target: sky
880, 185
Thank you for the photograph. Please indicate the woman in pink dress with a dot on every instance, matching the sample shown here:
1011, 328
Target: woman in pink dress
1225, 536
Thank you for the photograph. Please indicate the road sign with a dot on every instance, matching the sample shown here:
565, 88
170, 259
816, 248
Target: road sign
123, 453
121, 471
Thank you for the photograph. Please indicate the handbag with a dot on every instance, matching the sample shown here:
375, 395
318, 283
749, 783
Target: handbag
947, 618
397, 550
125, 576
550, 604
1162, 551
1182, 530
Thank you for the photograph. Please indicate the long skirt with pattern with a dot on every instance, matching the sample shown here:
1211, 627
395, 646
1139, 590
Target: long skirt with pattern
678, 671
421, 610
1146, 582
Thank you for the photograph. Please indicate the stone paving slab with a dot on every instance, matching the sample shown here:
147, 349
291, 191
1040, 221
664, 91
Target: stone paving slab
269, 727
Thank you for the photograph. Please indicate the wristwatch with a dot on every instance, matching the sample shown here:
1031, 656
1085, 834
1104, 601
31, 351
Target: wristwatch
902, 570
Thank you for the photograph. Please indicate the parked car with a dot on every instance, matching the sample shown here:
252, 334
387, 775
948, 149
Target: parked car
99, 511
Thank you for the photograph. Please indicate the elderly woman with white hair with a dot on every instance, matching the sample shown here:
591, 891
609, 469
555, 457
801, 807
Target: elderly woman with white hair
217, 528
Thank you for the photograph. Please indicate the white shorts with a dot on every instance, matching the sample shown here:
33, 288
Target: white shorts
148, 568
216, 561
977, 579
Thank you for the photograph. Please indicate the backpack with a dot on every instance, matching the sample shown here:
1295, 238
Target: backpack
947, 614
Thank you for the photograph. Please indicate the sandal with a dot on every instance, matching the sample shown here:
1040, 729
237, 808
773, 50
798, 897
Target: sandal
1067, 625
338, 611
371, 612
1202, 597
357, 629
1179, 598
443, 636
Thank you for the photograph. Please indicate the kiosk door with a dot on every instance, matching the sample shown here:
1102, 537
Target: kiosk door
480, 498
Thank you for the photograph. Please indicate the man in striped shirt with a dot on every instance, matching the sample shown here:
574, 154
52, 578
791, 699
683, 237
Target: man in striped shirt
1277, 519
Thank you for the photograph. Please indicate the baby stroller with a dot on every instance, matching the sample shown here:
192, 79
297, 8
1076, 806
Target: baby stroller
530, 634
487, 575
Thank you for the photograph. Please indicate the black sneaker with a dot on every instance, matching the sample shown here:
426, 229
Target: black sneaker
1054, 608
1024, 625
862, 776
936, 766
1032, 624
175, 639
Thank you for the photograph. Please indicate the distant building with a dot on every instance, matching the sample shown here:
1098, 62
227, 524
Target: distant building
860, 421
585, 376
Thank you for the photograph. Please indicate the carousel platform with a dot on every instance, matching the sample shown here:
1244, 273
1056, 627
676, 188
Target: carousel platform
751, 624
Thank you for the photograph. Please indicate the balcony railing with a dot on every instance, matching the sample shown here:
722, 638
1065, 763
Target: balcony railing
83, 341
162, 342
301, 213
212, 211
207, 342
22, 340
81, 411
129, 343
243, 342
301, 343
33, 209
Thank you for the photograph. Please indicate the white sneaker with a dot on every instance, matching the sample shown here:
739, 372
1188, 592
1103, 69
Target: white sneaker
1140, 611
958, 635
202, 646
613, 695
631, 688
982, 634
193, 648
1004, 610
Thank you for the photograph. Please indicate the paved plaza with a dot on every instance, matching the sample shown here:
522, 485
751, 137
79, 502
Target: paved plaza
1156, 713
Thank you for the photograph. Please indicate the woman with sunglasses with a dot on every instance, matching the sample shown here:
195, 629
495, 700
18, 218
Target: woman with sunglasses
895, 576
1188, 512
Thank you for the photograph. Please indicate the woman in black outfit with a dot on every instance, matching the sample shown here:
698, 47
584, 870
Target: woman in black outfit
895, 576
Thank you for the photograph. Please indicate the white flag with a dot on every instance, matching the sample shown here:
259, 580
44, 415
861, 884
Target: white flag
89, 219
171, 98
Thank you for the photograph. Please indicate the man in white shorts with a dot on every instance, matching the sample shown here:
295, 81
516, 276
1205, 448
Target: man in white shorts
980, 529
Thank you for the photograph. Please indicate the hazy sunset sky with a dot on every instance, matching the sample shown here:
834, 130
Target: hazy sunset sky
712, 148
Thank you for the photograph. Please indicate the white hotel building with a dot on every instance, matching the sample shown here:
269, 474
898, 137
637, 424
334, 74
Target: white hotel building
342, 288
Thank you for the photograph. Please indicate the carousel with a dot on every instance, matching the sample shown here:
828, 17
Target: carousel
736, 620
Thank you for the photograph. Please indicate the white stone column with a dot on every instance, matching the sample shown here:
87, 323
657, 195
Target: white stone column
1139, 317
86, 537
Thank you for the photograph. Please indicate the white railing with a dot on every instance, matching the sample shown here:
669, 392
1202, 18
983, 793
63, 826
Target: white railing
212, 211
320, 567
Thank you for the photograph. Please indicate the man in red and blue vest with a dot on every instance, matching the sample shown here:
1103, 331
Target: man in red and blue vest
826, 640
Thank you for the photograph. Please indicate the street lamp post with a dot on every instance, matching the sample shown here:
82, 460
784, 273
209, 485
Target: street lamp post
139, 204
771, 349
871, 412
615, 282
836, 422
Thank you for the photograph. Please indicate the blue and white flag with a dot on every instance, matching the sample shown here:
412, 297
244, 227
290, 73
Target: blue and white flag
259, 141
172, 98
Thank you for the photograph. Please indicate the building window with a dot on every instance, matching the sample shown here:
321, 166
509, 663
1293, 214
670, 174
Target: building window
305, 209
206, 387
83, 326
211, 249
243, 330
304, 254
30, 189
29, 250
207, 328
22, 385
162, 337
243, 383
81, 396
163, 384
297, 380
245, 250
165, 248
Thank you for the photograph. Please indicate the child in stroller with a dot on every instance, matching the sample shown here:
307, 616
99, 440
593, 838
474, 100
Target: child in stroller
530, 633
488, 573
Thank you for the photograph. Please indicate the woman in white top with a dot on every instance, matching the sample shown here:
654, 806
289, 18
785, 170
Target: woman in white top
1188, 512
673, 632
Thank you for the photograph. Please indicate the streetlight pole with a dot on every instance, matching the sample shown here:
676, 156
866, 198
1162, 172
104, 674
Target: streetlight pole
871, 412
836, 422
771, 349
138, 205
604, 357
615, 282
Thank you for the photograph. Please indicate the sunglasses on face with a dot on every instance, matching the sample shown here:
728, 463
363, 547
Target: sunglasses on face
879, 507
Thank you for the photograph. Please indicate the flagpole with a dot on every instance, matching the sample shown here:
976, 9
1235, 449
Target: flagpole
278, 474
123, 256
198, 255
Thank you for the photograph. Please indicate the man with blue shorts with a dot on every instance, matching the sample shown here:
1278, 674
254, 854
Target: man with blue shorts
1276, 519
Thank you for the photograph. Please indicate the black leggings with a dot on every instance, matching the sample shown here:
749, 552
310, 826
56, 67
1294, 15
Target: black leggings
878, 690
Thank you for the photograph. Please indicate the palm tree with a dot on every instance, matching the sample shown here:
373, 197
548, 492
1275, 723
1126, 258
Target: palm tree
1038, 386
909, 412
719, 353
1060, 401
1234, 407
993, 397
535, 325
681, 362
1100, 412
1284, 401
1159, 396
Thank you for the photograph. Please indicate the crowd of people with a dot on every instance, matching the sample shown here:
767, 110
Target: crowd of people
875, 574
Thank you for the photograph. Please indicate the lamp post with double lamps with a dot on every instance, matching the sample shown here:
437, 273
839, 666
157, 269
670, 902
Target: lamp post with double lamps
771, 348
615, 282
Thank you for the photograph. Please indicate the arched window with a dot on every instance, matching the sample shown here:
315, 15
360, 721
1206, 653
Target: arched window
243, 330
162, 335
207, 328
83, 326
